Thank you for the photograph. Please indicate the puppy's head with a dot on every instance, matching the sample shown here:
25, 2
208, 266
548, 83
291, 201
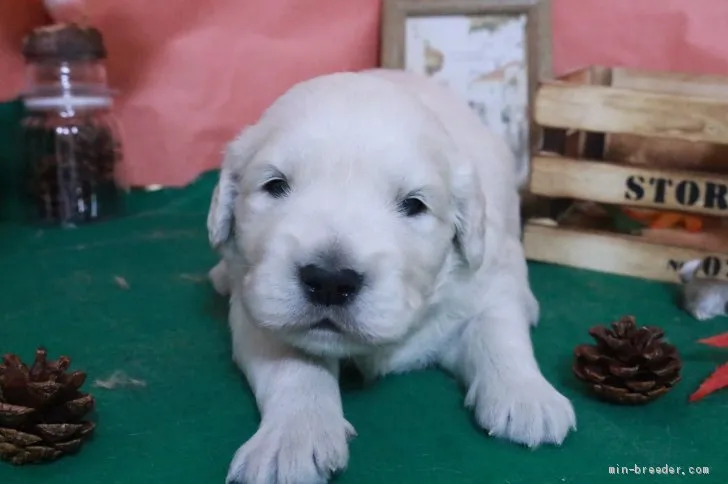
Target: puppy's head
347, 209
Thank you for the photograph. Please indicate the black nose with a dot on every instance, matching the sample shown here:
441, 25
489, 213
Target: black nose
329, 287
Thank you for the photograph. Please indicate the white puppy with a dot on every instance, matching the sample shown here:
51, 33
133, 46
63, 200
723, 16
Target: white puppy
371, 216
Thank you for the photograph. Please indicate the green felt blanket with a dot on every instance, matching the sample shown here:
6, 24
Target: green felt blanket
59, 289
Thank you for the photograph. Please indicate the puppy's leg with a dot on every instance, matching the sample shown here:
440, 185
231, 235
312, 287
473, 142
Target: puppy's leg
303, 436
494, 357
219, 278
533, 307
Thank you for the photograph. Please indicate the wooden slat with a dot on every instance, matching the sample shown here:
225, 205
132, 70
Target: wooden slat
701, 85
582, 75
612, 110
554, 176
662, 152
616, 254
577, 141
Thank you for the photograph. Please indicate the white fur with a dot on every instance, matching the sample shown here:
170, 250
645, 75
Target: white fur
703, 298
352, 146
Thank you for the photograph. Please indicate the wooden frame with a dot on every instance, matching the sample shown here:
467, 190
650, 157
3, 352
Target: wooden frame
523, 134
394, 13
626, 143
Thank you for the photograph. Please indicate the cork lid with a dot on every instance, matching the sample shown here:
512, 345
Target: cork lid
64, 42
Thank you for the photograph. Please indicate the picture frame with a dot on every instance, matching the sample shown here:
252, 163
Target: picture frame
491, 52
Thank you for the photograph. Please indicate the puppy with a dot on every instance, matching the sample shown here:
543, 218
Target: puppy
371, 216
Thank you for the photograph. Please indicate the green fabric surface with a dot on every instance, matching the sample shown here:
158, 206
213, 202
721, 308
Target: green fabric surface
168, 328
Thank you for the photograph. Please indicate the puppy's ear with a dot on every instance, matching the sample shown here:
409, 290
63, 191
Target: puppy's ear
221, 215
469, 216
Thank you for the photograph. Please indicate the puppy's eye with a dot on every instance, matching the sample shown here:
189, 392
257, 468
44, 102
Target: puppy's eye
412, 207
277, 187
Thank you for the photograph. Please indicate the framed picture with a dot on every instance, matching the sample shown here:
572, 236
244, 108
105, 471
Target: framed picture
491, 52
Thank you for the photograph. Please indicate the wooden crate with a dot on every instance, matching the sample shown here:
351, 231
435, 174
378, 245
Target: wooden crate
619, 138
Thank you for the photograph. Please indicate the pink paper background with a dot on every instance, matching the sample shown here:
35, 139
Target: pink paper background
193, 73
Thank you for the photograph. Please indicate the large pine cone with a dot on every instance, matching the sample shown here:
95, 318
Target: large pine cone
628, 364
41, 409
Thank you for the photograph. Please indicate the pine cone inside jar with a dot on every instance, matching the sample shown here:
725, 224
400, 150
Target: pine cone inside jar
628, 364
42, 409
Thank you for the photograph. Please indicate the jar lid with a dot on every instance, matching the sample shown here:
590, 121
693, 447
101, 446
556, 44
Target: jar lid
61, 42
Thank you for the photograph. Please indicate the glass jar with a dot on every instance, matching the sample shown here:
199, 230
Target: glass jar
71, 139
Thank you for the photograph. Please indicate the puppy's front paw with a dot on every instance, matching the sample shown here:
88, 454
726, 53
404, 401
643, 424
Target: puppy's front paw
533, 308
528, 411
220, 278
304, 450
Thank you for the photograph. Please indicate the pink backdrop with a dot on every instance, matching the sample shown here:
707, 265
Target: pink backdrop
192, 73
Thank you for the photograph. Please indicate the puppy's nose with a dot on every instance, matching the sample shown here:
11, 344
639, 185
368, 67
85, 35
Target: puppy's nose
329, 287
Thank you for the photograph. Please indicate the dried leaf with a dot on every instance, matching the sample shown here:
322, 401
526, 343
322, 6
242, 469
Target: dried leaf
13, 415
43, 392
672, 366
36, 454
624, 327
16, 437
8, 450
658, 391
654, 353
87, 429
670, 350
13, 361
635, 398
673, 381
80, 406
623, 371
70, 446
605, 337
588, 352
14, 378
621, 395
21, 457
657, 333
578, 371
594, 373
75, 380
646, 337
57, 432
39, 364
640, 386
611, 391
61, 364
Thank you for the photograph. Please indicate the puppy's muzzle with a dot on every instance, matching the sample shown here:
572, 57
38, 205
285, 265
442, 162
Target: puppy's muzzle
329, 287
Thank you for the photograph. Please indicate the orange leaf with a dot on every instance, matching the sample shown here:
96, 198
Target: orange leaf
715, 382
666, 220
693, 224
720, 341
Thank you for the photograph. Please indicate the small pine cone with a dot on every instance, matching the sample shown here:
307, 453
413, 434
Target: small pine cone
628, 365
42, 409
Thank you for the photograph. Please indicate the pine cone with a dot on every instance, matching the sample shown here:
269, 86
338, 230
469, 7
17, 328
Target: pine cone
628, 364
41, 409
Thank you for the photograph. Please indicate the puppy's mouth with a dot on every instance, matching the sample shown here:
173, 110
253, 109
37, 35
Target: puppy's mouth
327, 325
